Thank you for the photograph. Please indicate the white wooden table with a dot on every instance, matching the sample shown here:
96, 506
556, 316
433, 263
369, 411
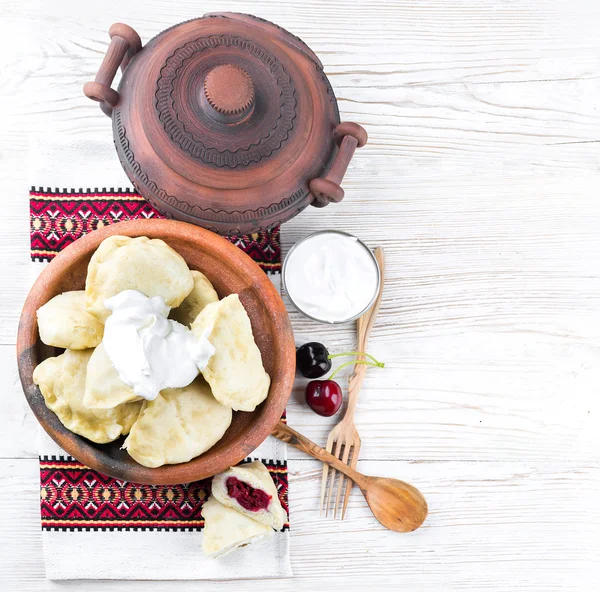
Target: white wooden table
481, 180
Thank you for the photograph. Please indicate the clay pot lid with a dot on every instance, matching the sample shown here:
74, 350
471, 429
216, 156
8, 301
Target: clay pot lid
224, 120
227, 122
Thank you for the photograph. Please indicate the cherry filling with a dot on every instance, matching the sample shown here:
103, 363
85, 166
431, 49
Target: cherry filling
249, 498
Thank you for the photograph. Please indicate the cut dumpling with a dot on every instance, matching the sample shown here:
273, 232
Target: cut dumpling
249, 489
177, 426
226, 530
103, 387
202, 294
65, 322
147, 265
235, 371
62, 383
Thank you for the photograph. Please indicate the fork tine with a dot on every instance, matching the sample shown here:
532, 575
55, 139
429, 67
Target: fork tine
344, 459
332, 479
349, 482
328, 447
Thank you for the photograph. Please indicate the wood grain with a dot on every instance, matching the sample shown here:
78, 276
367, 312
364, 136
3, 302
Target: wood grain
481, 181
492, 526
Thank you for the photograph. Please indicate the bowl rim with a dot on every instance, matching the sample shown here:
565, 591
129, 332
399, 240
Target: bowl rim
85, 451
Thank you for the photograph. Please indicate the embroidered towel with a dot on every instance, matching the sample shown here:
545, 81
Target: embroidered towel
94, 526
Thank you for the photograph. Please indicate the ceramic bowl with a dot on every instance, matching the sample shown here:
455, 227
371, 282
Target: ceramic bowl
230, 271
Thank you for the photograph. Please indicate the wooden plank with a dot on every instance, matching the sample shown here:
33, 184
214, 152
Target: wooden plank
488, 287
481, 181
372, 43
474, 395
492, 526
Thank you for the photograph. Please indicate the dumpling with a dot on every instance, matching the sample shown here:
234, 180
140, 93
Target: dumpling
226, 530
147, 265
65, 322
202, 294
103, 387
177, 426
62, 383
235, 371
249, 489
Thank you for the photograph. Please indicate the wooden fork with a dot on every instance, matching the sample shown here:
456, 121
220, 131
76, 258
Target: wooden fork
343, 441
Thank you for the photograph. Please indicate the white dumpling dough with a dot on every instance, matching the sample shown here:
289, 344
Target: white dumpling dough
62, 383
257, 476
103, 387
65, 322
202, 294
226, 530
177, 426
235, 371
147, 265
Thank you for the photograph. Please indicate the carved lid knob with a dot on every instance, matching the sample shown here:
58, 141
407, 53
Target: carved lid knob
229, 90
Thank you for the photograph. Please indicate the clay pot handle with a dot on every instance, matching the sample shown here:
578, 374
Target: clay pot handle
349, 136
124, 44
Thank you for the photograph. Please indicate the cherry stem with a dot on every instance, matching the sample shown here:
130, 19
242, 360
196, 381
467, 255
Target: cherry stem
357, 353
366, 362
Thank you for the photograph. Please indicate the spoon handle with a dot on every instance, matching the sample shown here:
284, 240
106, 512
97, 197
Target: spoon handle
291, 436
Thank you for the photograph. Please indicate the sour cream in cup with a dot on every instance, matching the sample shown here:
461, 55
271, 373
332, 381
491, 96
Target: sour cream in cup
331, 276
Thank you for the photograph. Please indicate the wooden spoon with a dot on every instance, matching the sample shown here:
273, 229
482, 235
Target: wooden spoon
396, 504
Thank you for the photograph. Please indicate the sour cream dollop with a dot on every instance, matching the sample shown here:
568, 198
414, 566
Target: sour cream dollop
149, 351
331, 276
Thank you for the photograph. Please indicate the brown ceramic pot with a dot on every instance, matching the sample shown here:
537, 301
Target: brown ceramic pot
231, 271
226, 121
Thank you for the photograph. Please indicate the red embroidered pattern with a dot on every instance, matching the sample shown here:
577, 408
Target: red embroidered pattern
60, 217
73, 496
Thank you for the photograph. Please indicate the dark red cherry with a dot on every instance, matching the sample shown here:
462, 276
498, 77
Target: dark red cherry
312, 360
324, 397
